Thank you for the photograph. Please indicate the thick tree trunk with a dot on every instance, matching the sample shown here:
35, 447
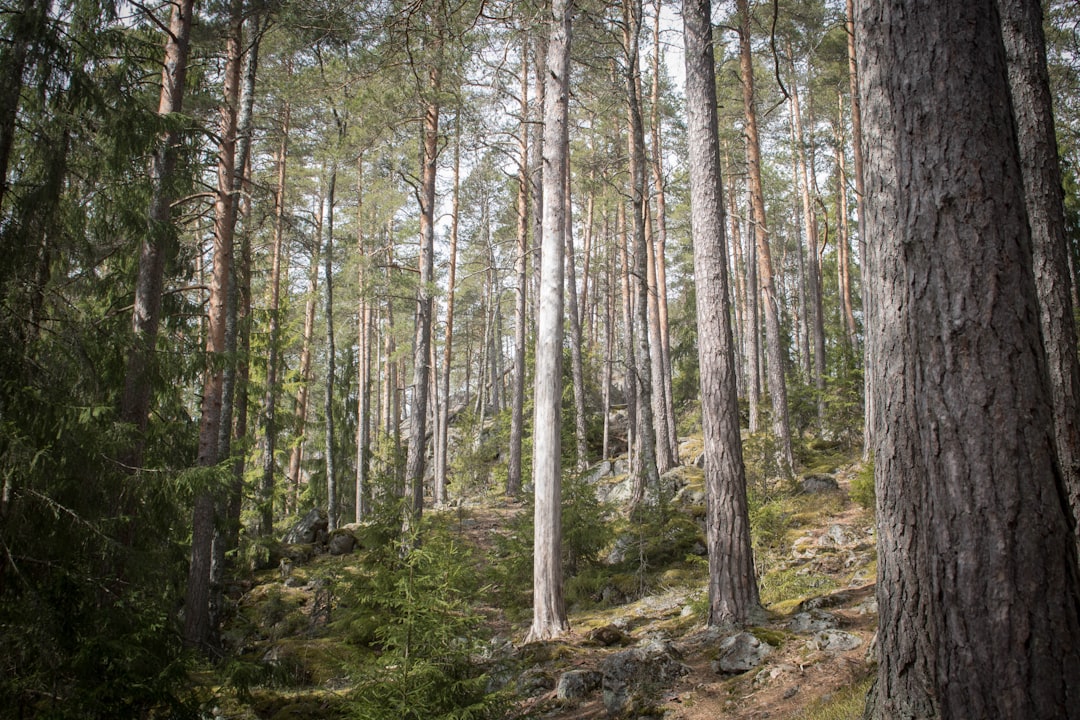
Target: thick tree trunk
1025, 48
265, 493
135, 401
978, 586
733, 592
773, 339
549, 609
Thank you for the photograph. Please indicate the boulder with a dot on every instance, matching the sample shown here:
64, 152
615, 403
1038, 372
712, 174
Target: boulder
577, 684
607, 636
533, 682
633, 678
341, 543
813, 484
308, 528
834, 641
739, 653
812, 621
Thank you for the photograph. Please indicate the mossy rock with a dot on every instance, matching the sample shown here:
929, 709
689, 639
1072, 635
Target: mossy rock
772, 636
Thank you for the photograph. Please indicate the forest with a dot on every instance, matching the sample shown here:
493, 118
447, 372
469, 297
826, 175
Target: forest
480, 359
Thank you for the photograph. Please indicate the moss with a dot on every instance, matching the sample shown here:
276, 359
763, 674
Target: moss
772, 636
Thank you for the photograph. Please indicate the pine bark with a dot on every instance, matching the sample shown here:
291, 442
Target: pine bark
978, 586
549, 608
1029, 83
521, 274
146, 317
577, 371
265, 492
733, 592
773, 339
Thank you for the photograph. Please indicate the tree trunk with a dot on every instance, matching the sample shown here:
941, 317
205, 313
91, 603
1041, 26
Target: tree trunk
978, 586
660, 244
363, 343
521, 273
816, 314
733, 592
549, 609
135, 401
646, 474
843, 241
443, 426
577, 371
296, 457
414, 464
265, 494
1025, 49
199, 627
773, 339
332, 510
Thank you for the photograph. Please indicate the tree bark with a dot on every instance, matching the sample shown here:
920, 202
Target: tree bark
843, 241
417, 452
521, 273
549, 608
1029, 83
135, 401
773, 340
646, 474
733, 592
265, 493
577, 371
296, 457
443, 426
978, 586
199, 630
333, 512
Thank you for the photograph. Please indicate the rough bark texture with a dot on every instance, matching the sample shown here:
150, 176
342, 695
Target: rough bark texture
265, 493
135, 401
978, 585
549, 608
733, 592
773, 339
1025, 50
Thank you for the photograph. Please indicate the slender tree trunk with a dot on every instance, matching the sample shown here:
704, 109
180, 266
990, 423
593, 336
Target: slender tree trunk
1025, 48
660, 246
199, 627
363, 342
773, 338
549, 609
296, 457
609, 344
843, 241
521, 273
22, 29
577, 371
860, 194
980, 605
265, 494
816, 314
135, 401
629, 393
333, 512
733, 592
442, 452
414, 464
646, 474
753, 322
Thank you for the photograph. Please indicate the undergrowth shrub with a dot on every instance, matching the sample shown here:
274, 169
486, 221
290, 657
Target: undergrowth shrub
862, 486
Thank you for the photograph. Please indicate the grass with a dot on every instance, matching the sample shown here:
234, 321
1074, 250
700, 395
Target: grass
845, 704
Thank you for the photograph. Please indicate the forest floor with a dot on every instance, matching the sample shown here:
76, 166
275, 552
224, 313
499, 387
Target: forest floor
816, 576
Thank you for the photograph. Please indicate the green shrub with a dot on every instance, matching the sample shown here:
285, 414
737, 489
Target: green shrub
862, 486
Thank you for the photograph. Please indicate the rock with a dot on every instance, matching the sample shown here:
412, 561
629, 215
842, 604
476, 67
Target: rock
812, 621
598, 471
836, 535
577, 684
341, 543
739, 653
834, 641
533, 682
699, 462
308, 528
607, 636
632, 677
690, 495
293, 582
813, 484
